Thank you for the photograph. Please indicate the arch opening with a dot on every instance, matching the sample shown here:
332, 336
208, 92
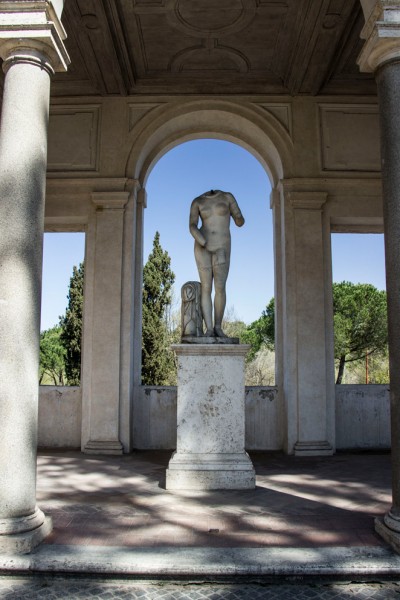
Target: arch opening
187, 171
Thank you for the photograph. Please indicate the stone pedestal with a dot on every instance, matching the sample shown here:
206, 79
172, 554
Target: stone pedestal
210, 451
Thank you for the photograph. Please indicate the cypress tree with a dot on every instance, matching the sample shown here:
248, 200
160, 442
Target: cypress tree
158, 278
71, 323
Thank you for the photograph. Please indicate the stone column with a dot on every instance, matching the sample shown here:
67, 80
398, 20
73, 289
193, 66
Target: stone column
102, 325
276, 206
308, 388
381, 55
141, 204
128, 315
137, 409
28, 65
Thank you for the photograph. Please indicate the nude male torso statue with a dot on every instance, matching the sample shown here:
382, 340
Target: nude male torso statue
212, 250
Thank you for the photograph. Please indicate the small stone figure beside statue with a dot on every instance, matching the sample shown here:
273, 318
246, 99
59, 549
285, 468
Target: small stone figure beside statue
212, 250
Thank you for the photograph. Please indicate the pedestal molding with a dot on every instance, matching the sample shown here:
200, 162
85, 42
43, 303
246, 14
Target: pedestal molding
210, 349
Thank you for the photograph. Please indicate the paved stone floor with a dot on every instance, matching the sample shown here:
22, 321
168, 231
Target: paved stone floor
298, 502
318, 507
96, 589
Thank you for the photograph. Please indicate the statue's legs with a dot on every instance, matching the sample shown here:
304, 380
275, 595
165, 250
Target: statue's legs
204, 266
206, 275
220, 277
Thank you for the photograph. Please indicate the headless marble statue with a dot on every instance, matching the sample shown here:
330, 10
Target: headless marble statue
212, 250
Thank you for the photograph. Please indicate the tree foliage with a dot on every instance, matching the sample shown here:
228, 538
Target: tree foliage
158, 278
261, 370
232, 326
52, 356
261, 333
71, 324
360, 322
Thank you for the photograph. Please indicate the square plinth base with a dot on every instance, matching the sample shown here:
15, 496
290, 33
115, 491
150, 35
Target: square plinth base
390, 536
103, 447
313, 449
24, 543
210, 472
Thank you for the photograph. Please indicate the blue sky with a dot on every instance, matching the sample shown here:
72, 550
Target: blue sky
179, 176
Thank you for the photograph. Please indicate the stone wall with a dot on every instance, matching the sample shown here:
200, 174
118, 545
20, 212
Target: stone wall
156, 418
264, 425
60, 417
362, 417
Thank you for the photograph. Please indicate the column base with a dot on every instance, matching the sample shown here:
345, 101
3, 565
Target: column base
390, 536
313, 449
103, 447
210, 472
24, 543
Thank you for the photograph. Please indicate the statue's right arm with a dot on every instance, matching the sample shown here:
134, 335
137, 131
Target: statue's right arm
193, 221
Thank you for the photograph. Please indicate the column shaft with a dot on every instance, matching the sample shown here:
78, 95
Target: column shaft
388, 79
23, 157
28, 64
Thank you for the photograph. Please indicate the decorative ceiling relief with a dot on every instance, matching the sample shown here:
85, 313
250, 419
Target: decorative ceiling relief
212, 57
210, 18
130, 47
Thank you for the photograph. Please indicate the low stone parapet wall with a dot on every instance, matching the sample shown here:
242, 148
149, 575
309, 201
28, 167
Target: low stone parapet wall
264, 424
362, 417
60, 417
155, 418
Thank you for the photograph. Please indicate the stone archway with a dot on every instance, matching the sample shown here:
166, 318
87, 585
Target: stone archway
258, 131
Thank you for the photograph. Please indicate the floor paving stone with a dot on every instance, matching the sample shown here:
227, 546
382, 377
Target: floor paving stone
303, 503
298, 502
83, 589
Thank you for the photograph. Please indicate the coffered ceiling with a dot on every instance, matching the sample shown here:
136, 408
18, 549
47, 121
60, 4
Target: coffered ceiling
213, 47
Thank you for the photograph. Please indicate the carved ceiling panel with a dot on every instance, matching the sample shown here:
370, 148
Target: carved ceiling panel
213, 47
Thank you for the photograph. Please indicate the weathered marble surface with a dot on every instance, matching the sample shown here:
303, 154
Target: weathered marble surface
212, 251
210, 421
191, 313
